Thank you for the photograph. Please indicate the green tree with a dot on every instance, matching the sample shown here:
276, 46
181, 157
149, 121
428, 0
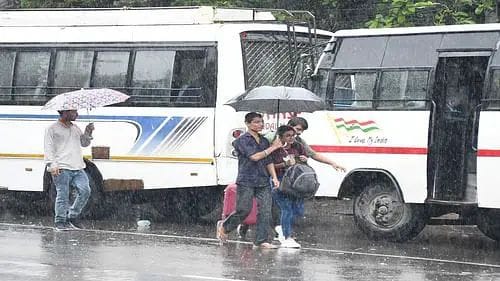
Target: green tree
463, 11
399, 13
409, 13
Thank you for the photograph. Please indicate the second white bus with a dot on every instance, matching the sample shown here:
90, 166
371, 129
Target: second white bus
412, 114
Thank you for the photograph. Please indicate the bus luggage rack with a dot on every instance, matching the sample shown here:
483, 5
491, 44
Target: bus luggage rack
152, 16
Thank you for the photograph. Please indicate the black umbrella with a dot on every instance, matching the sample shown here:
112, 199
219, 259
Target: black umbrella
269, 99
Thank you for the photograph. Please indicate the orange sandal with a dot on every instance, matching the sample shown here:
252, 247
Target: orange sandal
221, 233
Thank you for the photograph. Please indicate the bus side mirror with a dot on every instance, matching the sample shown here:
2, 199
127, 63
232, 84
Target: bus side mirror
316, 77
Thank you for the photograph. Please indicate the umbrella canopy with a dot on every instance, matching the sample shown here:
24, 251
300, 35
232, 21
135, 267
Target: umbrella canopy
85, 99
268, 99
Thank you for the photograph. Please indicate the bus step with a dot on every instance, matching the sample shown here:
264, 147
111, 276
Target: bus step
451, 219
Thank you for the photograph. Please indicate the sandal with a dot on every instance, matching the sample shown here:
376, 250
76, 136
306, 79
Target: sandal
221, 234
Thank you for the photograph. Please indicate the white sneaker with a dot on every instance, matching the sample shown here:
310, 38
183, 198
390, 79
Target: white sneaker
279, 231
290, 243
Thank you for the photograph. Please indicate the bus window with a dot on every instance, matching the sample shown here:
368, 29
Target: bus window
30, 80
174, 78
152, 78
111, 70
494, 98
6, 66
352, 90
403, 89
72, 70
191, 78
350, 55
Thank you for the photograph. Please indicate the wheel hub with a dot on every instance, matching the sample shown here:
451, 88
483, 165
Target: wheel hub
386, 210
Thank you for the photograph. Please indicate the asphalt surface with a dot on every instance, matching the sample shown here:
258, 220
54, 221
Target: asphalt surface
333, 249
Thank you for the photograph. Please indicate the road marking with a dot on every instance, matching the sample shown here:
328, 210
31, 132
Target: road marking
402, 257
249, 243
209, 278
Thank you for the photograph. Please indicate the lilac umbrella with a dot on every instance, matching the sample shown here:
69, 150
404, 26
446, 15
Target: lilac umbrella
85, 99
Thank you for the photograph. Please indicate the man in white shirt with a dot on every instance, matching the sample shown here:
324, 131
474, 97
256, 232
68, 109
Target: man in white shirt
64, 159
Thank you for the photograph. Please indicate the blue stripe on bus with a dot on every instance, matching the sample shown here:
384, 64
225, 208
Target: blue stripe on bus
146, 126
161, 135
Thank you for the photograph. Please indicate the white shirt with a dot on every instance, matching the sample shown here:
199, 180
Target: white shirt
63, 146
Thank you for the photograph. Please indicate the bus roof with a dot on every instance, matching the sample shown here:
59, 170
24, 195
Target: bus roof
131, 16
417, 30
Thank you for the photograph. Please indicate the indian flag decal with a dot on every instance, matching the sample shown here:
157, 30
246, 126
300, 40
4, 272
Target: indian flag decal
351, 125
353, 131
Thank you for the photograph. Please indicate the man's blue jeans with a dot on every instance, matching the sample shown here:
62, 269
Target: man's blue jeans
67, 178
244, 201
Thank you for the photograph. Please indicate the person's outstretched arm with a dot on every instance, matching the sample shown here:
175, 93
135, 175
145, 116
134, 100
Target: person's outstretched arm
325, 160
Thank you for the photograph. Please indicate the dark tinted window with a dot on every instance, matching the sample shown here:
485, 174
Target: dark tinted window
494, 95
403, 89
194, 78
169, 76
152, 78
478, 40
6, 70
111, 69
31, 74
72, 70
184, 78
353, 52
412, 51
350, 90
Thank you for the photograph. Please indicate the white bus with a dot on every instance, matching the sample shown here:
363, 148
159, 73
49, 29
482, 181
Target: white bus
179, 65
411, 114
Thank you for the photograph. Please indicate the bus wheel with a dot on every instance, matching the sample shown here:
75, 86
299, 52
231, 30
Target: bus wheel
488, 221
380, 213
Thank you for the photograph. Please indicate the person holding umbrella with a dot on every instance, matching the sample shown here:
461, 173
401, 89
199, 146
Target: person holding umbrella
64, 159
63, 150
254, 170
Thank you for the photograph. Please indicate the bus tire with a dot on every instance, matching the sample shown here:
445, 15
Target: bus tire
381, 214
488, 221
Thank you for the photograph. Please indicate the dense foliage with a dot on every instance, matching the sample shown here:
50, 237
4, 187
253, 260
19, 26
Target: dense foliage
330, 14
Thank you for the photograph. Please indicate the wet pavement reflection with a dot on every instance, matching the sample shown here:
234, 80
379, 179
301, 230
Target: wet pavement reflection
333, 249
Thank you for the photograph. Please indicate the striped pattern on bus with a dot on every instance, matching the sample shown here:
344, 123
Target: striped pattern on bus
122, 158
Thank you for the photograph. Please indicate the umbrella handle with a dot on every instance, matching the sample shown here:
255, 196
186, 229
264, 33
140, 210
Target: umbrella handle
278, 116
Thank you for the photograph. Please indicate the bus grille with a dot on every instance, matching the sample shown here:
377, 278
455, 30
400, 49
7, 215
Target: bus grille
269, 59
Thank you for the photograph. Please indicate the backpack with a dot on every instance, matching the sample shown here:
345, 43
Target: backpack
299, 181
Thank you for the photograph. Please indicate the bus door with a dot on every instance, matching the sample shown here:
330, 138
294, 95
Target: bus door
488, 161
456, 97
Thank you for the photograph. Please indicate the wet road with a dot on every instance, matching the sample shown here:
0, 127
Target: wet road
332, 250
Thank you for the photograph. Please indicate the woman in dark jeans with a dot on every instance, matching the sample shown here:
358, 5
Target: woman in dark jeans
289, 154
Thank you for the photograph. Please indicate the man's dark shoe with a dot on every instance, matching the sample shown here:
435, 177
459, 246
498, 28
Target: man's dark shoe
242, 230
62, 226
75, 224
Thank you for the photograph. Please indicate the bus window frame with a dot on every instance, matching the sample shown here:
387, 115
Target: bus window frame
486, 102
207, 99
351, 72
376, 91
378, 100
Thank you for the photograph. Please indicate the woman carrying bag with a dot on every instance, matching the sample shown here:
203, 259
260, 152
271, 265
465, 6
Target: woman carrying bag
291, 153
